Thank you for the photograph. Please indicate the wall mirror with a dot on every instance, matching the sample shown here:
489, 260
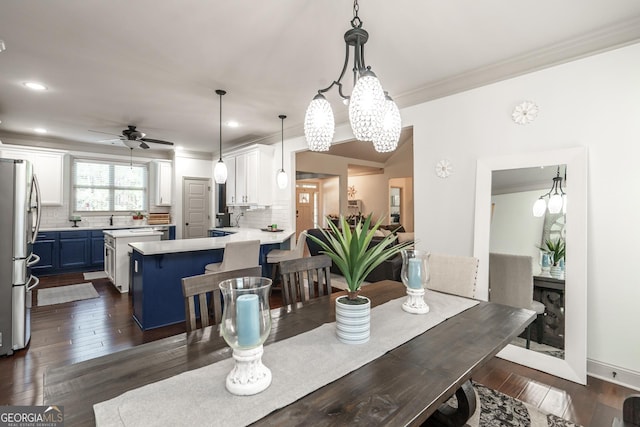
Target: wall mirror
504, 223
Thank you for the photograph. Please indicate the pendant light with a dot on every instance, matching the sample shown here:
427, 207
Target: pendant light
373, 115
281, 177
220, 170
557, 198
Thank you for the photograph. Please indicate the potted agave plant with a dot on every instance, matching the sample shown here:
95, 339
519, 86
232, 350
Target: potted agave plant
355, 256
555, 248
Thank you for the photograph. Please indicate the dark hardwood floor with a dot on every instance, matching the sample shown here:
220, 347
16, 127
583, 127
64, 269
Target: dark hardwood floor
81, 330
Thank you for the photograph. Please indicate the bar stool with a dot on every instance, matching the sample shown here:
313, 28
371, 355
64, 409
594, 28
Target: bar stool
237, 255
276, 255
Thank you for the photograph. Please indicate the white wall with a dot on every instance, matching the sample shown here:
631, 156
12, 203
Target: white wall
514, 229
593, 102
185, 165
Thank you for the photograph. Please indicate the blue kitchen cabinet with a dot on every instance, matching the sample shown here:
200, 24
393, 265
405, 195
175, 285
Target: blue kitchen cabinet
46, 247
97, 248
74, 249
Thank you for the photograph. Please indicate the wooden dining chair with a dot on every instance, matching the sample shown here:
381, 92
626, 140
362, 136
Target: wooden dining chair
305, 278
453, 274
208, 285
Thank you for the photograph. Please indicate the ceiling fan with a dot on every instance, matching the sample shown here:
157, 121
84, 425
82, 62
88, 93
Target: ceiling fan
133, 138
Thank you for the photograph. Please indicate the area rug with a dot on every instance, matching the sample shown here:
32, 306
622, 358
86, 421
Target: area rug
495, 409
62, 294
94, 275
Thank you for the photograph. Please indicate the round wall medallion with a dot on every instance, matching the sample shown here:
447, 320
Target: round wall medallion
525, 113
443, 168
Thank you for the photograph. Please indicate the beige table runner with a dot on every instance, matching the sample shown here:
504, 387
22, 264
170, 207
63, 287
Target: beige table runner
299, 365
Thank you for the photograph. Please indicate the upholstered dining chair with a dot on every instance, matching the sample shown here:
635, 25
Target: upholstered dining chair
305, 278
237, 255
275, 256
207, 285
511, 283
453, 274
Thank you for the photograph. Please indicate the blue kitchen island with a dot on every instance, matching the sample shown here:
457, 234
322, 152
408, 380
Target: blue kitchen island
158, 267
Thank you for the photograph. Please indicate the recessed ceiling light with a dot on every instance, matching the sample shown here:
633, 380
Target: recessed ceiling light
40, 130
233, 124
178, 148
2, 46
35, 86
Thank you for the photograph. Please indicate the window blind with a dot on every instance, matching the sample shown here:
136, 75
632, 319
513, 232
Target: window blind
104, 186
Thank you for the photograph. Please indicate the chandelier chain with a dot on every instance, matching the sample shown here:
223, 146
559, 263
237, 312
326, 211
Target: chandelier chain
356, 22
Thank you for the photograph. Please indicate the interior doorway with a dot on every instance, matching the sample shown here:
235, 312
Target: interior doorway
196, 210
307, 207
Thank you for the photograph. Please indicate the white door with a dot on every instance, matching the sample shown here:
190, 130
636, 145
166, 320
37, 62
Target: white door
196, 209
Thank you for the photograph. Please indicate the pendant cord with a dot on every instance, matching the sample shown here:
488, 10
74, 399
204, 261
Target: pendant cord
220, 96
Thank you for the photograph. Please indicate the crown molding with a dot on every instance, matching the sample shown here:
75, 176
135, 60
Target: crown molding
598, 41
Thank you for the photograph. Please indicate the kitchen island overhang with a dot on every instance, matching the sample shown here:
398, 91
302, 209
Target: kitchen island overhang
158, 267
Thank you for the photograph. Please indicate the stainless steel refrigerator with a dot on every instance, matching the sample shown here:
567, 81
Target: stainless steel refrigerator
19, 223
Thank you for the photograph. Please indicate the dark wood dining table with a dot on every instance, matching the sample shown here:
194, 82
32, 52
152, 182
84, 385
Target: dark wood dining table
403, 387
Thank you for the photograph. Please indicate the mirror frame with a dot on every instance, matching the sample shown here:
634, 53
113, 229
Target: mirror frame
574, 365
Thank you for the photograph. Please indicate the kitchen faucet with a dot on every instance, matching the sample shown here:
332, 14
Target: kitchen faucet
111, 220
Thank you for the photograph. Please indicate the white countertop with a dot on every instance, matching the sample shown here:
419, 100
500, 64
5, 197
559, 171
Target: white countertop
208, 243
132, 232
104, 227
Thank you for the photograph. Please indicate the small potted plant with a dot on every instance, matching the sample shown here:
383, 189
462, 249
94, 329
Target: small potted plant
555, 248
356, 256
138, 216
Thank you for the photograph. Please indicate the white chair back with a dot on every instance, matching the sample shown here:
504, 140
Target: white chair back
453, 274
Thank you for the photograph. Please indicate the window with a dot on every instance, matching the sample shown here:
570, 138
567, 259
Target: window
101, 186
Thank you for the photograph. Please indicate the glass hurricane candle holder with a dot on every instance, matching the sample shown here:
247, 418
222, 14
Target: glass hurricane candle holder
246, 324
415, 276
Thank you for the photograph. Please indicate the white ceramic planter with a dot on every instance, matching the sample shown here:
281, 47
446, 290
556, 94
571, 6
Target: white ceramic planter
556, 272
353, 321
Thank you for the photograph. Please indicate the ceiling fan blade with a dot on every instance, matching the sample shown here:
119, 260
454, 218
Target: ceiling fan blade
155, 141
106, 133
143, 145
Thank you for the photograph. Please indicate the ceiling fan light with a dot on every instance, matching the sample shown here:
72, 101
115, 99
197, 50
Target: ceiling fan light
539, 207
366, 107
555, 204
282, 179
220, 172
319, 124
389, 135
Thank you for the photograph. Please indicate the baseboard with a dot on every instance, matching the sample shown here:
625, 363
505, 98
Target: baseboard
605, 371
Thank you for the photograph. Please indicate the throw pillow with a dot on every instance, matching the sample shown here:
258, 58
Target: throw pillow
405, 237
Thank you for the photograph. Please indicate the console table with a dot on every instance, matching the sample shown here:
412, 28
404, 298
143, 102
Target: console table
550, 292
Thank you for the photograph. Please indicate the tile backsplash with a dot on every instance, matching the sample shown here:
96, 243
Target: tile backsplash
261, 218
58, 217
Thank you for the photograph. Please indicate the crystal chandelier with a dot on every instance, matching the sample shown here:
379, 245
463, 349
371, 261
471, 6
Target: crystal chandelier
372, 113
557, 198
220, 170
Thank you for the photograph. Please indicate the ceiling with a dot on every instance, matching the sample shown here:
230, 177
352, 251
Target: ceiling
526, 179
112, 63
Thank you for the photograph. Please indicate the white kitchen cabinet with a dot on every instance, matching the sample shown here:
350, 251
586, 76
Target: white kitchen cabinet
254, 177
117, 253
48, 167
163, 182
231, 180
